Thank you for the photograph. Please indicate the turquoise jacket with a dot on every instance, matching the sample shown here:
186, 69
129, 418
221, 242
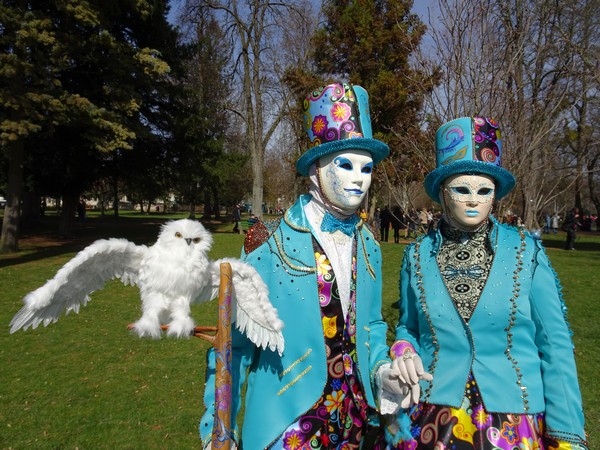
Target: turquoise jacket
517, 342
280, 389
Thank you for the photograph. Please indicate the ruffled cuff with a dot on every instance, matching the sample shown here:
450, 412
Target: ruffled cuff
389, 403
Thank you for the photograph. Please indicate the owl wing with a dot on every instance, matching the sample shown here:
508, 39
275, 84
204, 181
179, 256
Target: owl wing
87, 272
252, 311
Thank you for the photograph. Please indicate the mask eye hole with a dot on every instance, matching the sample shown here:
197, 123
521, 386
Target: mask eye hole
485, 191
178, 235
196, 240
463, 190
367, 169
346, 166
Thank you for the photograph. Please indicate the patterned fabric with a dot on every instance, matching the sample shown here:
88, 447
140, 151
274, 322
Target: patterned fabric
339, 419
464, 260
331, 113
471, 427
469, 139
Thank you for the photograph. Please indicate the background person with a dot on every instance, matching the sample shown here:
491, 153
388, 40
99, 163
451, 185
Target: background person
237, 218
570, 225
385, 218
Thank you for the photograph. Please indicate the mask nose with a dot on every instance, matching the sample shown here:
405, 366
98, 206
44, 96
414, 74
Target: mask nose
188, 240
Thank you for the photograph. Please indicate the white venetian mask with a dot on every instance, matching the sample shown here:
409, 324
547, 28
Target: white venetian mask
468, 199
345, 178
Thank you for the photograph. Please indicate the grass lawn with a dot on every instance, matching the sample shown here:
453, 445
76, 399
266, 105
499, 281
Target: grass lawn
86, 382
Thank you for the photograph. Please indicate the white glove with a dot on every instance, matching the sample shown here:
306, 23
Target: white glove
390, 382
410, 368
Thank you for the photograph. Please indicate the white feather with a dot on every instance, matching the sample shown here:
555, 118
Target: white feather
171, 274
252, 312
85, 273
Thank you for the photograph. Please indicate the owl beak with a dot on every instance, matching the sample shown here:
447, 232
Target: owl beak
188, 240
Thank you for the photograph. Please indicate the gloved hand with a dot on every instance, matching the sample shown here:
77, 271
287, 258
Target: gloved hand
410, 368
391, 382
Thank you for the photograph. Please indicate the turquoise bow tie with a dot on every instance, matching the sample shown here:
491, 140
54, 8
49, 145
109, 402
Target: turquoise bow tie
331, 224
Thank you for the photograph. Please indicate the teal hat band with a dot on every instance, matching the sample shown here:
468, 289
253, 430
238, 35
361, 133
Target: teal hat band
337, 118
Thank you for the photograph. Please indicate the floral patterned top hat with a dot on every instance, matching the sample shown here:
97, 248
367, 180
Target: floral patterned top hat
472, 146
337, 118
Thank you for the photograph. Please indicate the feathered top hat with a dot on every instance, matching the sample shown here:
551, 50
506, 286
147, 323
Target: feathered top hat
469, 145
337, 118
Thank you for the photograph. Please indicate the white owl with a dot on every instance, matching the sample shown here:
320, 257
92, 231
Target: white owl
171, 275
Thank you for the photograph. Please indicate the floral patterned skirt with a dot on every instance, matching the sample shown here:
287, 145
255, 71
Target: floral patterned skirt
471, 427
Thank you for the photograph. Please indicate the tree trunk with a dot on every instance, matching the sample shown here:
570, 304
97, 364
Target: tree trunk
31, 207
216, 207
116, 196
70, 202
12, 211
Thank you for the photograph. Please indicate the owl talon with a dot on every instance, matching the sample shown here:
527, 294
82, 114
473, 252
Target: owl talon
181, 328
147, 328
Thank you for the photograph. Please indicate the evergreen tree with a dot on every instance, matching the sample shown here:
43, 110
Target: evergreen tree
201, 120
369, 43
80, 81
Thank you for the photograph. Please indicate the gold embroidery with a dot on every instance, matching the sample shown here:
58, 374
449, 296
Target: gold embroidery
294, 381
295, 363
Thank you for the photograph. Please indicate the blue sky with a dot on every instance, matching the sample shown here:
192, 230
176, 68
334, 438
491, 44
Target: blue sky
419, 7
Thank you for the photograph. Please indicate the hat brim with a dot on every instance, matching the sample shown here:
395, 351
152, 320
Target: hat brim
377, 149
505, 180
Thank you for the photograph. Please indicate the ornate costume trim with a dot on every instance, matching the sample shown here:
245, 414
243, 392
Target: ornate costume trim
567, 437
295, 363
293, 226
376, 367
289, 261
255, 237
423, 303
366, 257
512, 319
560, 291
294, 381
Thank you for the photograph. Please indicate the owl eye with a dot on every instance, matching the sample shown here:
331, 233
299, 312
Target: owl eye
196, 240
178, 235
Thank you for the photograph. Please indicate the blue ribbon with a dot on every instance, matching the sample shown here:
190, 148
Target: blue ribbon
331, 224
472, 272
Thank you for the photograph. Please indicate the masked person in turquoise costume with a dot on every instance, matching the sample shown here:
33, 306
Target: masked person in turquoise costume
482, 310
322, 265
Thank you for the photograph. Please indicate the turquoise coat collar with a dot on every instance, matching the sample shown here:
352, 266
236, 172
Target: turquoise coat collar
295, 216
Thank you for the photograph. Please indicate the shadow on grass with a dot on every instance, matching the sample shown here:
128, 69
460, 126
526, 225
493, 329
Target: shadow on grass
41, 240
582, 243
583, 246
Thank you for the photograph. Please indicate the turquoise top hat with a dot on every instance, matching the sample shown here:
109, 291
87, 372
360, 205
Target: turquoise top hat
471, 146
337, 118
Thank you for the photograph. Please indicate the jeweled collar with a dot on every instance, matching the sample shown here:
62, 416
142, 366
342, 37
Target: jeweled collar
450, 233
445, 231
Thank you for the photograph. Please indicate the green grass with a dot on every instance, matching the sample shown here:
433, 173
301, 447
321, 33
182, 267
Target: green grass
86, 382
